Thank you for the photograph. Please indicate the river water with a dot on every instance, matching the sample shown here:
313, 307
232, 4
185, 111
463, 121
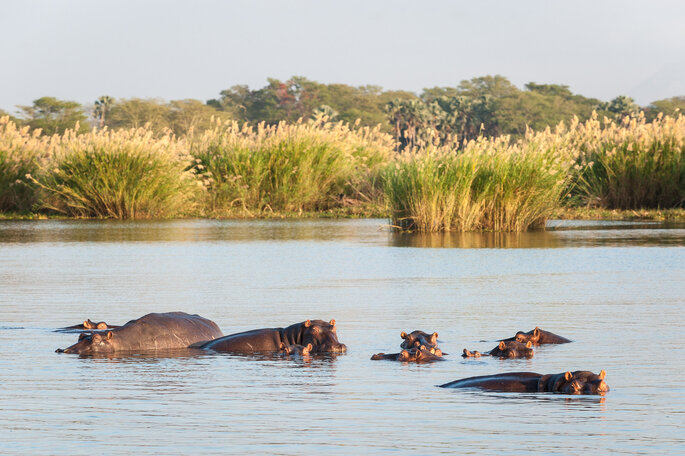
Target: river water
616, 289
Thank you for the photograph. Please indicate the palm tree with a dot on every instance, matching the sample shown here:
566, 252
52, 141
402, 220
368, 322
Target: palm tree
102, 105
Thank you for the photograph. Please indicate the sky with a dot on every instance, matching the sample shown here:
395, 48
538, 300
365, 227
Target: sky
82, 49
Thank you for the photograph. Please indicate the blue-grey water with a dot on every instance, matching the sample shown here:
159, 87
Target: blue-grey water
616, 289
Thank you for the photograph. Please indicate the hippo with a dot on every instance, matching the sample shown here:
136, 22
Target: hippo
538, 337
322, 335
578, 382
505, 350
420, 354
417, 338
154, 331
89, 325
296, 350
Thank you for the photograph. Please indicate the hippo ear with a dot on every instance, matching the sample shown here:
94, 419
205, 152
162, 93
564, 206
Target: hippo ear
310, 347
332, 322
502, 345
281, 346
109, 335
102, 325
434, 338
403, 335
86, 324
568, 376
602, 374
536, 331
432, 351
307, 323
529, 344
422, 347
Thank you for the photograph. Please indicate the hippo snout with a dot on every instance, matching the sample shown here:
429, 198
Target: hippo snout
342, 348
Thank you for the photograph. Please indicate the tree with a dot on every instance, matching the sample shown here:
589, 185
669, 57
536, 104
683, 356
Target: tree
618, 108
102, 106
54, 116
669, 107
137, 112
187, 116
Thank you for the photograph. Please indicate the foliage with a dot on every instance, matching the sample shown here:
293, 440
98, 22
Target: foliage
124, 174
20, 152
490, 185
632, 164
53, 116
289, 167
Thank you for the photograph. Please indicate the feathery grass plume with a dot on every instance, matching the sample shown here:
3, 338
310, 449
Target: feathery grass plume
290, 167
631, 165
20, 154
122, 174
490, 185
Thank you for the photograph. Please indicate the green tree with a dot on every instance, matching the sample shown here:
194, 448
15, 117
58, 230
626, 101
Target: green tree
102, 106
669, 107
187, 116
137, 112
54, 116
618, 108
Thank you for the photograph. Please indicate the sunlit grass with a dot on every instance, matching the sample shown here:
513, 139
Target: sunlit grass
20, 152
290, 167
125, 174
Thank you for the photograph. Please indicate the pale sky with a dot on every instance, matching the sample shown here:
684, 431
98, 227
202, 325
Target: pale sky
82, 49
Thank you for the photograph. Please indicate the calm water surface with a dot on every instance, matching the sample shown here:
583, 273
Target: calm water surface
616, 289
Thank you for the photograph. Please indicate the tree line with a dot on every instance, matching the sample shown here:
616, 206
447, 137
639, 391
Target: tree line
487, 105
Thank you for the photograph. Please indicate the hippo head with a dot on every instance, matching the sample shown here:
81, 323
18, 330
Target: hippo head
322, 336
584, 382
513, 349
303, 350
418, 338
89, 344
88, 324
531, 336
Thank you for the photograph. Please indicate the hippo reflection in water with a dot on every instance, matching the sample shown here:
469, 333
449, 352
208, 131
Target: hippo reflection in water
538, 336
505, 350
578, 382
320, 334
155, 331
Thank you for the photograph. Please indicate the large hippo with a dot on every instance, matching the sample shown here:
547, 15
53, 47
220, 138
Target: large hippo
538, 337
320, 334
505, 350
578, 382
154, 331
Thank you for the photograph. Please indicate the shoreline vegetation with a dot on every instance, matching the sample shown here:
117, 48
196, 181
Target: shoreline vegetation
629, 168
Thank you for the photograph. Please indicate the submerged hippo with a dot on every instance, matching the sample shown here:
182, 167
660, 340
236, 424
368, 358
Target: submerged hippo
320, 334
89, 325
538, 337
578, 382
420, 354
154, 331
505, 350
418, 338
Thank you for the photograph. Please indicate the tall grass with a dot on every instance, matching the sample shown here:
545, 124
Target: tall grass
490, 185
290, 167
20, 153
123, 174
631, 165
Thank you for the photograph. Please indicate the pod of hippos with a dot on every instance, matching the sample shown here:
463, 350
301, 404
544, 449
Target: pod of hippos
179, 330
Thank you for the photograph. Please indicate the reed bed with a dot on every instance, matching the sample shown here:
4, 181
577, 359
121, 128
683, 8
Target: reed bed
489, 185
121, 174
20, 154
632, 164
321, 167
297, 167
